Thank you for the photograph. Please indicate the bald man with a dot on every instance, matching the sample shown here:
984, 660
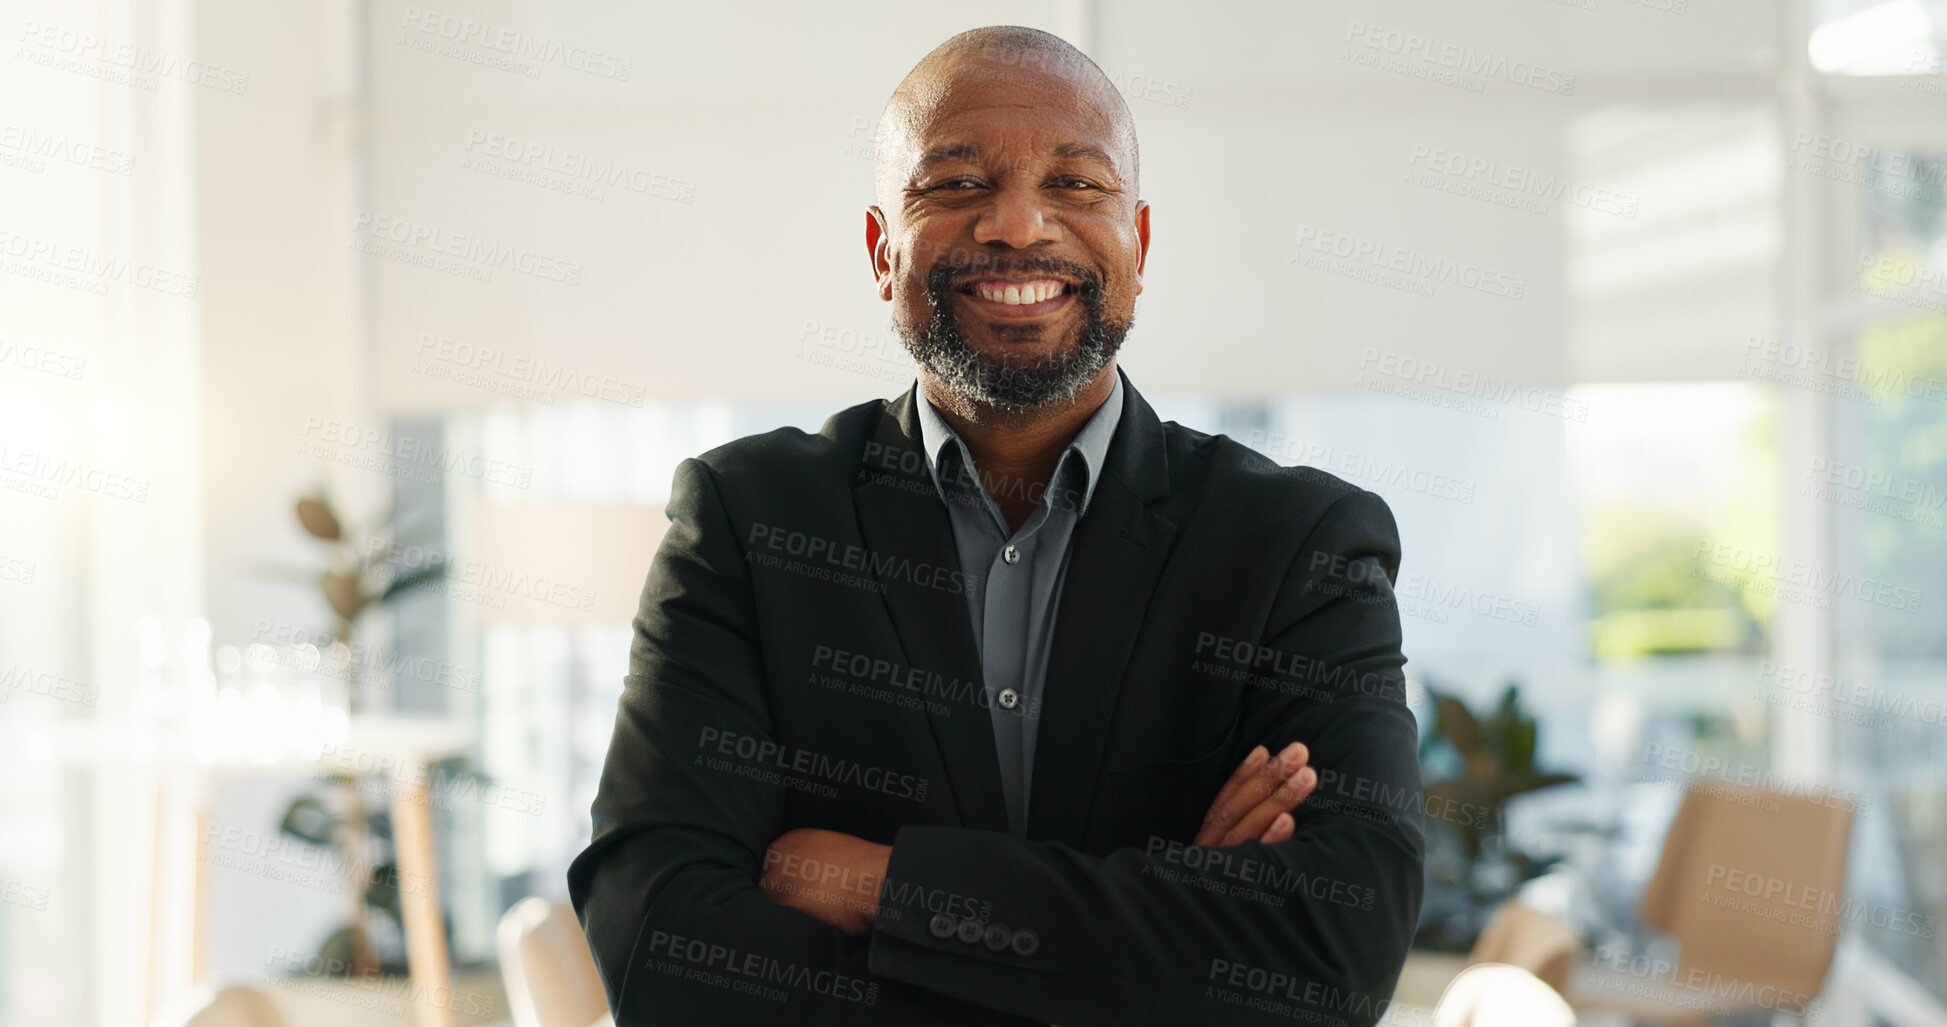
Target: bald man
1003, 701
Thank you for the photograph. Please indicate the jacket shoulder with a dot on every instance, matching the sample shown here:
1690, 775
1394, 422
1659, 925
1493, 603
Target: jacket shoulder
1270, 507
1238, 473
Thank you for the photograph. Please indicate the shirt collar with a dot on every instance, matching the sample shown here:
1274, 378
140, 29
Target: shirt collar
1090, 445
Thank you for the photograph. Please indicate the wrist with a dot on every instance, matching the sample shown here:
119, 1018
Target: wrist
877, 860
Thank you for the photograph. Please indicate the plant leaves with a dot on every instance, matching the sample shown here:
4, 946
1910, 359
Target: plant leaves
342, 591
335, 955
308, 818
1518, 747
419, 577
1535, 782
1457, 722
315, 514
382, 892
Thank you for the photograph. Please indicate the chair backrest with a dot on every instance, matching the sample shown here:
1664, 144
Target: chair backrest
1541, 944
235, 1005
550, 976
1751, 885
1500, 995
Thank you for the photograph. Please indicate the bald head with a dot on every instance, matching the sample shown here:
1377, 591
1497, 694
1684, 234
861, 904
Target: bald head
996, 53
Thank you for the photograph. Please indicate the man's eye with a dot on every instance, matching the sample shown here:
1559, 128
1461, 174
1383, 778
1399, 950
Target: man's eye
950, 185
1077, 183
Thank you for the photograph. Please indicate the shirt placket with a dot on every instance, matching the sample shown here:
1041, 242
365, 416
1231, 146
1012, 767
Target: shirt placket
1007, 611
1009, 603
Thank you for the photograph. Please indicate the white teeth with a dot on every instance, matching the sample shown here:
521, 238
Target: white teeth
1017, 295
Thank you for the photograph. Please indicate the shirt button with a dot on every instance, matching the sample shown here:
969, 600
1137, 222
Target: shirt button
1011, 555
970, 931
943, 926
1009, 699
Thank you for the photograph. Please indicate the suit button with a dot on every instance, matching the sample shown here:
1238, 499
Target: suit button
1026, 941
943, 926
1009, 699
1011, 555
997, 937
970, 931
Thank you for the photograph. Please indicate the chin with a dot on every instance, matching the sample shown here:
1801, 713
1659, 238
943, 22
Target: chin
1000, 342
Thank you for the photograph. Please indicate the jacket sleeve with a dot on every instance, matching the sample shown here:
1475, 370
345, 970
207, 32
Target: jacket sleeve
1314, 928
667, 889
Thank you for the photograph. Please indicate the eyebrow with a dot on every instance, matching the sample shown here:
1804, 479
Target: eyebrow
972, 151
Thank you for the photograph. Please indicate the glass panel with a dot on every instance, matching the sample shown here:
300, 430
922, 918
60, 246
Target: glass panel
1887, 486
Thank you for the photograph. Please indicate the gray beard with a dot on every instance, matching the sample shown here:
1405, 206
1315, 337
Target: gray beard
1004, 385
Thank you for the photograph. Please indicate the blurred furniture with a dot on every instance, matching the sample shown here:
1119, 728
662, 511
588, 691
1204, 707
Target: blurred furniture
544, 961
1423, 980
1536, 942
1768, 943
236, 1005
1501, 995
417, 858
405, 745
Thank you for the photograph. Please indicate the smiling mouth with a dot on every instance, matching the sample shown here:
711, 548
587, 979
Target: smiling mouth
1018, 300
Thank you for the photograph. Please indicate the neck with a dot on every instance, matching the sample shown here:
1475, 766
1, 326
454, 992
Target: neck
1023, 444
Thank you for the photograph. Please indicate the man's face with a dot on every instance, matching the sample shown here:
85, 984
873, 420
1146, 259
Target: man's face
1015, 254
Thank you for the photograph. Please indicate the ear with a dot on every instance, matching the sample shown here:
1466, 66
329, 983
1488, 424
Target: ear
878, 249
1142, 242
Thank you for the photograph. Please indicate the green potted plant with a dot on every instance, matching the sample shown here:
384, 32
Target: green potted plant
1472, 766
359, 576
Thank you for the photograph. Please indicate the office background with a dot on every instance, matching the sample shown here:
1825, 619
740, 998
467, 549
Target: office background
1635, 311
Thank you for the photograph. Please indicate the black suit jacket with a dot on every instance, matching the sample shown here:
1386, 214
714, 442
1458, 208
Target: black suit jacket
803, 657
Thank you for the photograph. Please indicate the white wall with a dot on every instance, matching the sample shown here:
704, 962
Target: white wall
1256, 128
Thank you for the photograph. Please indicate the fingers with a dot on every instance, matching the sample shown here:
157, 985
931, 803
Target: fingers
1251, 764
1247, 790
1286, 795
1254, 779
1279, 830
1259, 787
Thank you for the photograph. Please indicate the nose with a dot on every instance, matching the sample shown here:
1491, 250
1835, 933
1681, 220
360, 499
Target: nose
1017, 217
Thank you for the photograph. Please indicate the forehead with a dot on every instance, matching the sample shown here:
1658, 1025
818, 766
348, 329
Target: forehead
1015, 106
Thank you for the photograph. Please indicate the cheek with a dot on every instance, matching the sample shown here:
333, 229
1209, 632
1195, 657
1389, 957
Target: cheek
1116, 251
909, 298
1119, 292
929, 243
911, 290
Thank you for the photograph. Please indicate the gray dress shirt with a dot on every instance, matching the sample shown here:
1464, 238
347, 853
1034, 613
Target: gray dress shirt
1013, 606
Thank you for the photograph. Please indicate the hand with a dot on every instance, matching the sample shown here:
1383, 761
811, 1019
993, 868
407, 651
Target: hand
833, 876
1256, 802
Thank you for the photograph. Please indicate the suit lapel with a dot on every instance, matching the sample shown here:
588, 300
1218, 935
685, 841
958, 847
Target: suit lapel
901, 517
1117, 554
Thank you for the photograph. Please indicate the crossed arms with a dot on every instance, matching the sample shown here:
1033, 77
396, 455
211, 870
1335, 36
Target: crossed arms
693, 895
